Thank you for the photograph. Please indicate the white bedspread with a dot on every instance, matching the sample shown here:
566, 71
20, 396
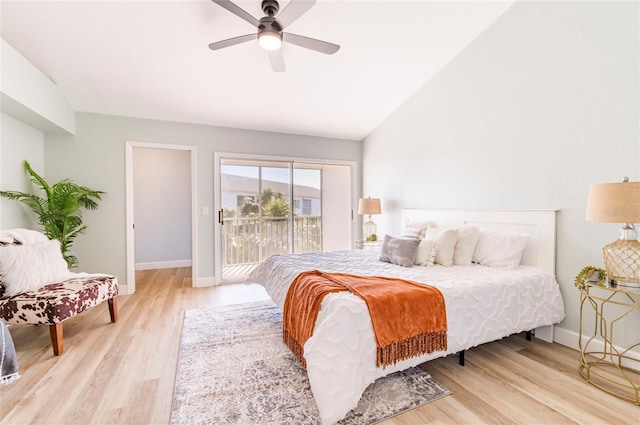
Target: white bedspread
483, 304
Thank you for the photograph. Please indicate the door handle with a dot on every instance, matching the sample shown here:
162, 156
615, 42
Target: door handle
221, 216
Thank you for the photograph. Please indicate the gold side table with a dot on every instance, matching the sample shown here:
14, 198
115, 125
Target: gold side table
608, 367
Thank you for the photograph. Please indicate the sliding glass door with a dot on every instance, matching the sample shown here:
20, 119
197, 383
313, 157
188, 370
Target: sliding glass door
269, 207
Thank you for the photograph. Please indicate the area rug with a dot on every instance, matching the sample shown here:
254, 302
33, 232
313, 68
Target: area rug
233, 368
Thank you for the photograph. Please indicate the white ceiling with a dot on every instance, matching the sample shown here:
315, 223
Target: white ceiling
150, 59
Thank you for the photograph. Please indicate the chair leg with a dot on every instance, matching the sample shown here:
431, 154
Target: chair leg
113, 309
56, 338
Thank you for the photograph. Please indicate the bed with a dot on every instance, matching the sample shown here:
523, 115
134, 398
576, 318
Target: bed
483, 303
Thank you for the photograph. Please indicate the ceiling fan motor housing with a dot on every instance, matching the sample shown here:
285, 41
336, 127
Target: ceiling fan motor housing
269, 24
270, 7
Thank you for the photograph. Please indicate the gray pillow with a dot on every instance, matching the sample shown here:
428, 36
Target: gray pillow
399, 251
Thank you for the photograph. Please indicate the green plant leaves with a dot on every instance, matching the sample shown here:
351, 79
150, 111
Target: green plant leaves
59, 212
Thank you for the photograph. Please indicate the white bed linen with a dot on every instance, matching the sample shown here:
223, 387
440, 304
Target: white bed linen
483, 304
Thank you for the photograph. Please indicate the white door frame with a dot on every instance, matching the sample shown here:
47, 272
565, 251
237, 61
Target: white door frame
217, 196
130, 216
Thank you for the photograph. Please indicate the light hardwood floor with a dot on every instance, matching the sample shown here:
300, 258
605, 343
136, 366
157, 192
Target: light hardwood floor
124, 372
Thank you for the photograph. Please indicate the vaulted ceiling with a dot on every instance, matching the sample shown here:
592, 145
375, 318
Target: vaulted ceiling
150, 59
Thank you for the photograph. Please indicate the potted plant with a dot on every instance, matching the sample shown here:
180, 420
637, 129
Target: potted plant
59, 211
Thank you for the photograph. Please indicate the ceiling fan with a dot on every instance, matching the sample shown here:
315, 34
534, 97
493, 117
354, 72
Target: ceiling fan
271, 27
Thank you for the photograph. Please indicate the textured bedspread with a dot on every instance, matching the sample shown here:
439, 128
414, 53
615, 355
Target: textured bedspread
483, 304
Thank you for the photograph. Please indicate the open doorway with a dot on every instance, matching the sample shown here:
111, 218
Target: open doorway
160, 208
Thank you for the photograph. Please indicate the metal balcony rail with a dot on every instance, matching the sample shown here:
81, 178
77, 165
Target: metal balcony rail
247, 240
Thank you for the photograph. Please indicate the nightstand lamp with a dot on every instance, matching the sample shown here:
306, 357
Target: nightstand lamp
369, 206
618, 203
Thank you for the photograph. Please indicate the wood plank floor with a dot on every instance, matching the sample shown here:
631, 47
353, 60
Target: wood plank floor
124, 373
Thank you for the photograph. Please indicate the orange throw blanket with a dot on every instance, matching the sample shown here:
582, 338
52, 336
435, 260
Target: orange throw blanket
408, 319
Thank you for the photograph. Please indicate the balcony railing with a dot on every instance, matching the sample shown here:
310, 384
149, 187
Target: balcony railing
249, 240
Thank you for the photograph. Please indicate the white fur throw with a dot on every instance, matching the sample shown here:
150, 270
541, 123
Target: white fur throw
31, 266
22, 236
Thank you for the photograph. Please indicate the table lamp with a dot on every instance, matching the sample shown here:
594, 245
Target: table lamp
369, 206
618, 203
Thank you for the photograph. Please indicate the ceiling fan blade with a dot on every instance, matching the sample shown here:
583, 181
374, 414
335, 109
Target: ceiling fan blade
310, 43
232, 41
277, 62
238, 11
294, 10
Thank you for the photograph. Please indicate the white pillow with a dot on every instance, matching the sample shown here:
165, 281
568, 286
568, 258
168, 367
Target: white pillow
426, 254
416, 229
465, 245
445, 241
500, 249
29, 267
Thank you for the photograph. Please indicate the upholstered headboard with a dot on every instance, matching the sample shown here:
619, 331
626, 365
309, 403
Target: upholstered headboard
539, 224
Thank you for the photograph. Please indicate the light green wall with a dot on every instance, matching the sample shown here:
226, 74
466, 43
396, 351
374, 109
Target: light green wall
95, 157
540, 105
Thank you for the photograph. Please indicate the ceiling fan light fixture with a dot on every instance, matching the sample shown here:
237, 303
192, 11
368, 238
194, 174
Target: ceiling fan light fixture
270, 40
270, 29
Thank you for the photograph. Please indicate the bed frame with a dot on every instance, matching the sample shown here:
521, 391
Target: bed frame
340, 365
540, 225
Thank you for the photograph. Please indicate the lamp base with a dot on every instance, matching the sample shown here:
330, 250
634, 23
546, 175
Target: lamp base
369, 231
622, 261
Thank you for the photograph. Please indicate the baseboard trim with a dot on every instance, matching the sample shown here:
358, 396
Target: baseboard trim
570, 339
163, 265
203, 282
565, 337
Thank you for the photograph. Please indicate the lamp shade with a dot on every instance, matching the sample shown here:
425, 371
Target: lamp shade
614, 202
369, 206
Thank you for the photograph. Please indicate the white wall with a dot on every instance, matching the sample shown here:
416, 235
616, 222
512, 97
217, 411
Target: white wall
95, 157
162, 192
30, 96
30, 104
18, 142
543, 103
336, 194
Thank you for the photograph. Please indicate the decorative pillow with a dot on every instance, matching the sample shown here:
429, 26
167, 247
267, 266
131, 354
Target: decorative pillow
29, 267
399, 251
415, 229
445, 241
500, 249
465, 245
426, 254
